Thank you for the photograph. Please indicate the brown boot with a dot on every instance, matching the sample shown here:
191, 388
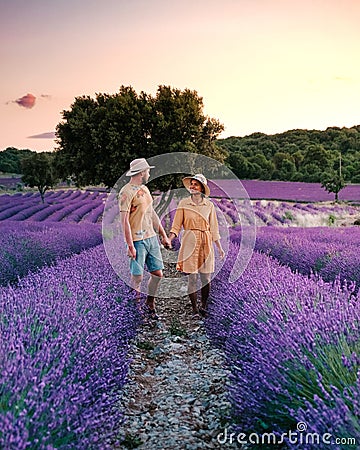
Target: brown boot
205, 291
193, 299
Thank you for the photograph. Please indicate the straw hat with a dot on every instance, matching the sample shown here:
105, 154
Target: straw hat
137, 166
201, 179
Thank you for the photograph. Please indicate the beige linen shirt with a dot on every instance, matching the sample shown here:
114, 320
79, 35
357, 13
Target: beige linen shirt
201, 229
138, 202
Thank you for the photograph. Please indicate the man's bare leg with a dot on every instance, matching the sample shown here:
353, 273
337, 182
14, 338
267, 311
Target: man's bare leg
153, 287
136, 282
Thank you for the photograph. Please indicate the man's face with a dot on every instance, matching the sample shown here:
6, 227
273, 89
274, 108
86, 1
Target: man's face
145, 176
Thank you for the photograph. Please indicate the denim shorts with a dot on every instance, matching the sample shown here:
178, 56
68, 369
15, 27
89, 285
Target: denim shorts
147, 252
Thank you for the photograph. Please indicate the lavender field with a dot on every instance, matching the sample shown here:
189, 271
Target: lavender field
64, 338
10, 182
292, 345
332, 253
288, 214
66, 206
285, 190
289, 326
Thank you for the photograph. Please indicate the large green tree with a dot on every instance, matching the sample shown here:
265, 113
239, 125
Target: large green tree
38, 171
98, 138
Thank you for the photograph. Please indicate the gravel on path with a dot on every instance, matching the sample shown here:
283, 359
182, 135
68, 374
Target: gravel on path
176, 395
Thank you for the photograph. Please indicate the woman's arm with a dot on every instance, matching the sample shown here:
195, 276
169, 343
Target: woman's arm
214, 228
213, 222
177, 223
219, 247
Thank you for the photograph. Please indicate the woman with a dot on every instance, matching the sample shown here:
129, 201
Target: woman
196, 214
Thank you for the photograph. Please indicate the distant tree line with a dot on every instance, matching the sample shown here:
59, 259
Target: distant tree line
98, 138
10, 160
296, 155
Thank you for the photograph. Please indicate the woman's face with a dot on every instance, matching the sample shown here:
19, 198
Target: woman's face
195, 187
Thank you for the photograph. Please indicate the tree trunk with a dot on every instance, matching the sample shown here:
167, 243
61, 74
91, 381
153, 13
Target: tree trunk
42, 194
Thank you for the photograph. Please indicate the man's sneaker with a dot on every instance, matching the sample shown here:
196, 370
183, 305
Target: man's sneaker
150, 313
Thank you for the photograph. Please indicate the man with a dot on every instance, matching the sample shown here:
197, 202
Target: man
139, 222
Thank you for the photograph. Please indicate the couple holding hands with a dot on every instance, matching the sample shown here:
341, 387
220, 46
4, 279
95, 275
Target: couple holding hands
195, 215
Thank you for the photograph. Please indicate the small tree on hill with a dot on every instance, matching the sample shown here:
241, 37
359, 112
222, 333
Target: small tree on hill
333, 182
38, 171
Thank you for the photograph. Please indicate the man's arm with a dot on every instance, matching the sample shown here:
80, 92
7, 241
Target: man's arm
124, 217
160, 229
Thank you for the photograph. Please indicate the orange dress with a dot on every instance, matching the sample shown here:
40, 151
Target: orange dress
201, 229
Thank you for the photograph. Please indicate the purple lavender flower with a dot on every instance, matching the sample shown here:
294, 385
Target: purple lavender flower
65, 333
285, 336
36, 244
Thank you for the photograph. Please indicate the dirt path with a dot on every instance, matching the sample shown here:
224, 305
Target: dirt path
176, 395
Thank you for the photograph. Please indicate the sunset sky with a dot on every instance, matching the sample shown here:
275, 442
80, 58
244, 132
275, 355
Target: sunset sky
260, 65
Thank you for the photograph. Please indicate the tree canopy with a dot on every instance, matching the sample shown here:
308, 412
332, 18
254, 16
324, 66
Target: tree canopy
98, 138
333, 182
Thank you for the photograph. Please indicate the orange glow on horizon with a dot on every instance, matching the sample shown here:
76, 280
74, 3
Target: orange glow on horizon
259, 66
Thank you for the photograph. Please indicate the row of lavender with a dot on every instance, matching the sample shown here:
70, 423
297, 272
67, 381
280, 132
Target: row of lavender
269, 213
275, 213
78, 206
32, 245
259, 189
69, 206
64, 336
10, 182
292, 345
283, 190
329, 252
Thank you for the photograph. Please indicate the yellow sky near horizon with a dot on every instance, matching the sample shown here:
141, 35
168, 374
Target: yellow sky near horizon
260, 65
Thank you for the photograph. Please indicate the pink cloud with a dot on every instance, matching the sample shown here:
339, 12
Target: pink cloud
27, 101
